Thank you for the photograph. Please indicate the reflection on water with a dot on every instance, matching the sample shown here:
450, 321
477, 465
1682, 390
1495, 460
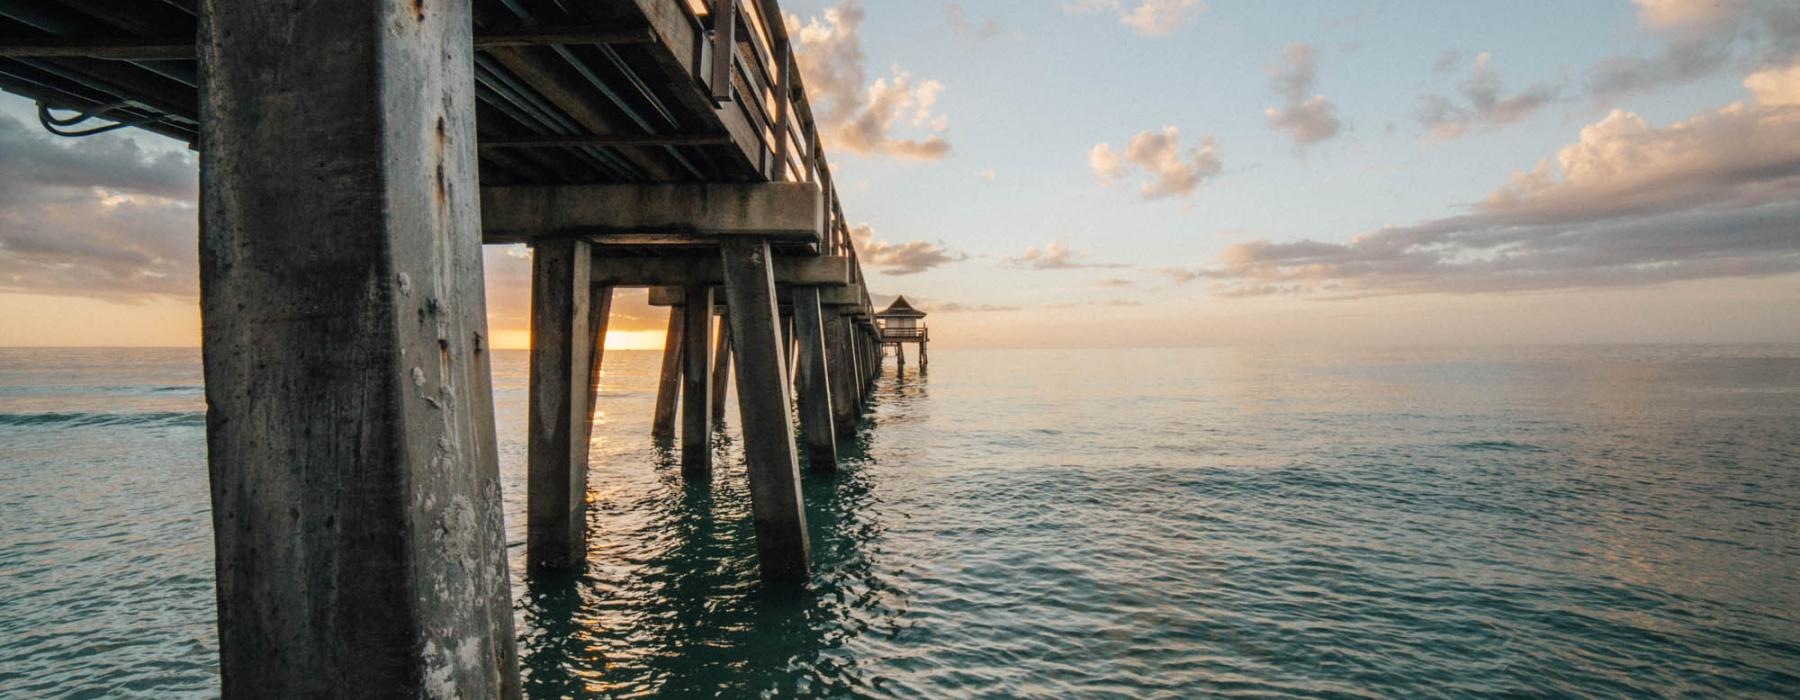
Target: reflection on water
1541, 521
672, 603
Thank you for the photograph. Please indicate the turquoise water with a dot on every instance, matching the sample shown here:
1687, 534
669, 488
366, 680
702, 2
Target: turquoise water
1571, 521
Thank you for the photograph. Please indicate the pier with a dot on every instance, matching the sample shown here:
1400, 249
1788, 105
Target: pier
354, 158
901, 324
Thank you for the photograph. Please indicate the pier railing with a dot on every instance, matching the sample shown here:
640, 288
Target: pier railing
762, 80
889, 335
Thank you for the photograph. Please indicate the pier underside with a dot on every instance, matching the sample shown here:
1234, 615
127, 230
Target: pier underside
355, 156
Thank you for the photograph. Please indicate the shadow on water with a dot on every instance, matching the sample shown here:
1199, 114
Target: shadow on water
671, 603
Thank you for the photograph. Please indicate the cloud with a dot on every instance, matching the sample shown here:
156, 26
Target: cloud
1146, 17
899, 258
1057, 255
962, 27
1447, 62
1702, 37
99, 217
956, 307
1116, 282
1626, 204
1308, 117
1172, 171
1178, 275
1054, 256
1486, 103
859, 118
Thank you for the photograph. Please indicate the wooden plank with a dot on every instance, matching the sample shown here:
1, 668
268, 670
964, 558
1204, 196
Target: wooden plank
724, 47
604, 141
578, 99
182, 48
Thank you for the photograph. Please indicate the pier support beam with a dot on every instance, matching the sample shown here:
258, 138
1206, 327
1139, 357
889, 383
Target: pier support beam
350, 430
696, 382
814, 383
562, 372
721, 369
842, 374
668, 384
781, 540
599, 311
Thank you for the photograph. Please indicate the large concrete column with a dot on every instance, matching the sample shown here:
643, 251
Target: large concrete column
696, 382
350, 428
668, 385
721, 369
781, 540
561, 409
813, 381
842, 373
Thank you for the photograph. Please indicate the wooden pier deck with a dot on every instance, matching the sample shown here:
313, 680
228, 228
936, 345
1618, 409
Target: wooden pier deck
354, 157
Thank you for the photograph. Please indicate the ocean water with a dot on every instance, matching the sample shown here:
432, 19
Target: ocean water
1598, 521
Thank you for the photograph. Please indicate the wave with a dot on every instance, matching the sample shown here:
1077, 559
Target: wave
85, 420
1497, 446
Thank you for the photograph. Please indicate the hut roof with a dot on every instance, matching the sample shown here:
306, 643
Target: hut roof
900, 309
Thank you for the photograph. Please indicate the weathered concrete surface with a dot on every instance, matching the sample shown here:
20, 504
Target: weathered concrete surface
350, 433
668, 385
721, 373
841, 373
785, 210
696, 383
599, 311
681, 271
814, 384
781, 540
560, 408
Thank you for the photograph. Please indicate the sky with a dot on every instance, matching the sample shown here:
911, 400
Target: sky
1070, 173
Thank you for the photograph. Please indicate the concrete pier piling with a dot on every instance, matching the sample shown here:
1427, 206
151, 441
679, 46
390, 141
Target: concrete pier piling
350, 433
781, 539
696, 382
721, 371
841, 374
668, 385
813, 382
350, 427
561, 404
